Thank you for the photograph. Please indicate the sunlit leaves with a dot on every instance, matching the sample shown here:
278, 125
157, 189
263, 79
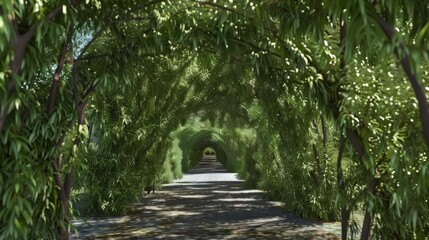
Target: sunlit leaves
301, 66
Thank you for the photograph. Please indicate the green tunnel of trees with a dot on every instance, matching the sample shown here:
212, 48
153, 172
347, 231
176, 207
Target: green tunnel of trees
320, 103
201, 142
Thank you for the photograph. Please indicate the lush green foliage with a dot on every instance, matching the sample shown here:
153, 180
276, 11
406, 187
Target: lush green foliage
130, 142
284, 80
227, 143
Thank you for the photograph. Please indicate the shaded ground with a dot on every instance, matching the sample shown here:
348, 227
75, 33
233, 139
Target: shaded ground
208, 203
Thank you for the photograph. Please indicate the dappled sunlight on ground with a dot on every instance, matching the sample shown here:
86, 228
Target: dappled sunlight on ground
200, 207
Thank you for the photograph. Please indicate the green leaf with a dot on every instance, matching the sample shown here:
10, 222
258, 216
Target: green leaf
422, 34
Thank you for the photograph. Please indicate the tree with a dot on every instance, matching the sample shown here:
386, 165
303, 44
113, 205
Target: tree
309, 57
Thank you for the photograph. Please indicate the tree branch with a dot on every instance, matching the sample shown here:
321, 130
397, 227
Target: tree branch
211, 3
404, 59
354, 140
21, 41
58, 70
19, 45
325, 137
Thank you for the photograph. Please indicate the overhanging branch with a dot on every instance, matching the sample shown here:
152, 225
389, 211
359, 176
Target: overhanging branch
404, 58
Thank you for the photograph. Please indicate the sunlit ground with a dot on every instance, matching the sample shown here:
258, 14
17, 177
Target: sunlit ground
208, 203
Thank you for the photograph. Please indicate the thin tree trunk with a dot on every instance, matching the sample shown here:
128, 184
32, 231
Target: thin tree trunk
366, 227
317, 159
345, 213
65, 187
356, 143
64, 193
324, 131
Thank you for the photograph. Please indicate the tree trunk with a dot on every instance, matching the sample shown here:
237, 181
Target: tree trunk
318, 167
65, 187
325, 137
345, 213
366, 227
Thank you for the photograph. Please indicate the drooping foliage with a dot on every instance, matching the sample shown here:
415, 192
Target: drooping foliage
327, 98
130, 134
131, 130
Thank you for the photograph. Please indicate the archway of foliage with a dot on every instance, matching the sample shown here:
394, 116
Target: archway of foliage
210, 140
132, 139
359, 64
228, 143
197, 142
131, 142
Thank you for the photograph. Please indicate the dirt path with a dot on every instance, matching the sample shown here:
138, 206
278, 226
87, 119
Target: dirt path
208, 203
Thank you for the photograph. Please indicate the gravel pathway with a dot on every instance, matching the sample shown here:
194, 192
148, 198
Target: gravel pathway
208, 203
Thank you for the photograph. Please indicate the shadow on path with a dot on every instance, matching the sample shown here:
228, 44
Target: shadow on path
208, 203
